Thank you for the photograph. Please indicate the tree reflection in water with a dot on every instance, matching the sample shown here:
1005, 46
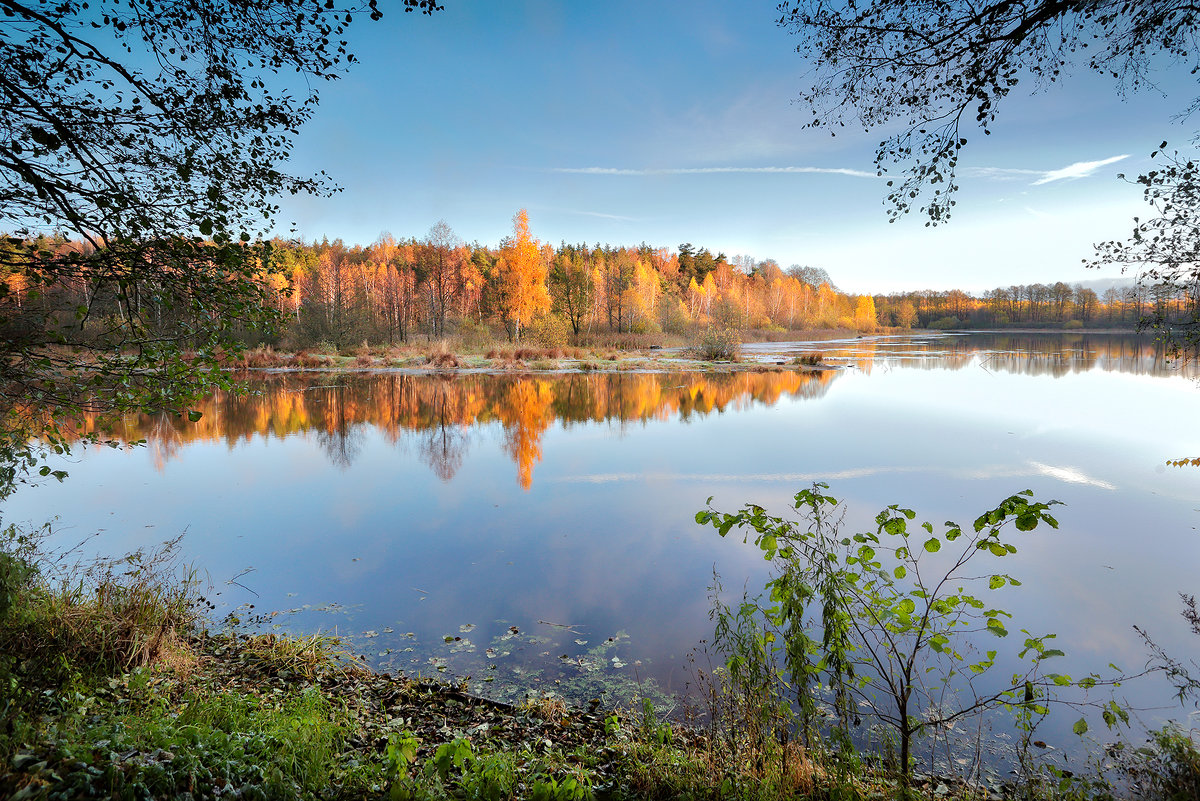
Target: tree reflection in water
440, 414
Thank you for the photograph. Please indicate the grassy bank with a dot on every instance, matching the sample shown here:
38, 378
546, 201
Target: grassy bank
112, 686
598, 352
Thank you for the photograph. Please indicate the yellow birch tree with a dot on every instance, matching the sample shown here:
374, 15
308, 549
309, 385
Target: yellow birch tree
524, 275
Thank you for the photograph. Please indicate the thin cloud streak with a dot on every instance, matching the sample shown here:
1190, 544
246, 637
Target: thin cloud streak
715, 171
600, 214
1080, 169
1069, 475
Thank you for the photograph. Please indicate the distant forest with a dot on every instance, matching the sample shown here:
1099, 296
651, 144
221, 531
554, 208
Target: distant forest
438, 286
1058, 305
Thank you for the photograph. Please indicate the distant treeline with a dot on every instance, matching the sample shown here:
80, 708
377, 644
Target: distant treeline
392, 290
437, 286
1058, 305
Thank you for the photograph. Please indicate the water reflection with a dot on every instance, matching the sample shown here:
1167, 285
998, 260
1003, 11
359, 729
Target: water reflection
1034, 354
437, 414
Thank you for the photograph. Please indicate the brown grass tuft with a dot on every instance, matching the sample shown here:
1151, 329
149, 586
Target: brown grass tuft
111, 615
305, 359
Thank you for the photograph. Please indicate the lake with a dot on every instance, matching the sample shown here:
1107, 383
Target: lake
536, 531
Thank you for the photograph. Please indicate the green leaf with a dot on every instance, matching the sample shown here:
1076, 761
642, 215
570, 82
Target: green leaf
194, 416
997, 549
995, 582
933, 545
1080, 727
900, 572
206, 227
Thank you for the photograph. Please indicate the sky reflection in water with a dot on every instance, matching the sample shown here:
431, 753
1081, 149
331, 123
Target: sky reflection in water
425, 507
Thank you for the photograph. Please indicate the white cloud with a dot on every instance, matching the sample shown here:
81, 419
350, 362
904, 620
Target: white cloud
599, 214
1069, 475
1000, 173
713, 170
1080, 169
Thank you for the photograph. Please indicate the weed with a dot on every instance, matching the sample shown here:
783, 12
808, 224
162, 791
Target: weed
546, 707
1167, 768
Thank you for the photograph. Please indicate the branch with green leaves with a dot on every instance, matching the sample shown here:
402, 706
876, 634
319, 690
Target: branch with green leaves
890, 619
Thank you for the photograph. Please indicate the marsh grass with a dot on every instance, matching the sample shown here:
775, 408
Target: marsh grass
809, 359
110, 615
304, 656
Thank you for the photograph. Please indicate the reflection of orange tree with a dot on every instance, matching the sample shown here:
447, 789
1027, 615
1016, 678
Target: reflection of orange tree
440, 411
524, 410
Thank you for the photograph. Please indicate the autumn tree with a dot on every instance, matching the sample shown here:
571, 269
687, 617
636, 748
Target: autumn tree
523, 276
864, 313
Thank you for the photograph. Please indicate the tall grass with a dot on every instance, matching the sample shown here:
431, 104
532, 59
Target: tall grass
110, 614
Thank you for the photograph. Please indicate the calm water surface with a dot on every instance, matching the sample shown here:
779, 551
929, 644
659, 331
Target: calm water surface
401, 510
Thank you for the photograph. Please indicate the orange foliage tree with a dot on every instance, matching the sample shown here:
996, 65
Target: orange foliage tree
524, 275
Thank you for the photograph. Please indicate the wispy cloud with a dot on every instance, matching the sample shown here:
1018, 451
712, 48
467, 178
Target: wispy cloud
1080, 169
1070, 475
599, 214
712, 171
1000, 173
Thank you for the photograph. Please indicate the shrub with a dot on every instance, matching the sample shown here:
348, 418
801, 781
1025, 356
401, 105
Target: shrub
17, 569
550, 331
945, 323
717, 345
674, 317
646, 327
473, 333
880, 623
1173, 764
1071, 325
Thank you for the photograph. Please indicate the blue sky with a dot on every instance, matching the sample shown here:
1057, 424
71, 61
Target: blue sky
623, 122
